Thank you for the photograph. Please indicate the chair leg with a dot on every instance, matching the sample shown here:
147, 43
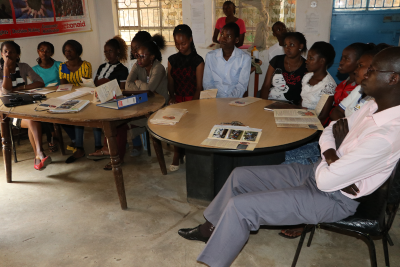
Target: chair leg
372, 252
385, 249
148, 143
389, 240
296, 256
57, 131
311, 236
13, 146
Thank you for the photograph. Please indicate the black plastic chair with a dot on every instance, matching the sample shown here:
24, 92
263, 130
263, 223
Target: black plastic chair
373, 218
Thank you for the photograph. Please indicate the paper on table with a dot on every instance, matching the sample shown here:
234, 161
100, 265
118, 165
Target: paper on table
321, 103
40, 91
50, 103
211, 93
64, 87
168, 116
87, 83
73, 95
107, 91
241, 102
86, 89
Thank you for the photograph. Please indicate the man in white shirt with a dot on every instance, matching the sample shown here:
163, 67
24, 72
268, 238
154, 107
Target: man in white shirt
358, 155
278, 30
228, 68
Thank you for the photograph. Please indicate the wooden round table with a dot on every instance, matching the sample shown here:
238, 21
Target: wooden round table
207, 168
90, 116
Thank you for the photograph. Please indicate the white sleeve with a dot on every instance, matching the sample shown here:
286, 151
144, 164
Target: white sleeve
350, 99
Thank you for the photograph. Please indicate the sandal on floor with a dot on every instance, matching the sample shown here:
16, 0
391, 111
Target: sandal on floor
43, 163
173, 168
108, 167
99, 154
53, 147
294, 237
72, 148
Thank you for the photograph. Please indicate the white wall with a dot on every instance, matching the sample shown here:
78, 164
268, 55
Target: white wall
104, 26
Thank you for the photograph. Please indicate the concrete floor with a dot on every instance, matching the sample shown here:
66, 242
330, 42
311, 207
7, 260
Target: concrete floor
69, 215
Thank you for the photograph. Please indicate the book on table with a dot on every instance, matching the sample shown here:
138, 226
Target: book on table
297, 118
70, 106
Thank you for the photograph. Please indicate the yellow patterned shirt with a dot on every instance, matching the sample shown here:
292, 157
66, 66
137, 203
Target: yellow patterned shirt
74, 78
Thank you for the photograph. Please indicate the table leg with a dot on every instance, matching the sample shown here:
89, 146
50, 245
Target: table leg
160, 155
6, 140
110, 132
57, 131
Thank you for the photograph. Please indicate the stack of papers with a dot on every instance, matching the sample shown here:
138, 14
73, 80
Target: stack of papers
168, 116
241, 102
210, 93
64, 87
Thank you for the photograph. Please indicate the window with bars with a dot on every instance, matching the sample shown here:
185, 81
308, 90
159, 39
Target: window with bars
352, 5
154, 16
251, 13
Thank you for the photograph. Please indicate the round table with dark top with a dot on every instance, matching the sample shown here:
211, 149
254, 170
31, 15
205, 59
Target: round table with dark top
207, 168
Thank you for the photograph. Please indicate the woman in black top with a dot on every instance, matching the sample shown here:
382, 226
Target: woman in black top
185, 75
285, 72
115, 51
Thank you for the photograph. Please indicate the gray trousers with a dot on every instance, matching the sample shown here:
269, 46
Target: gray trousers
267, 195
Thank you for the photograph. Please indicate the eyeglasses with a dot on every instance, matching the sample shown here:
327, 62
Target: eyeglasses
370, 69
140, 56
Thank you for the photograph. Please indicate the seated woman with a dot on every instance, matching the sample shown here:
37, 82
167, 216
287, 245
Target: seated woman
72, 71
147, 76
227, 68
285, 72
357, 98
47, 69
229, 9
14, 78
138, 40
318, 81
115, 51
185, 74
348, 64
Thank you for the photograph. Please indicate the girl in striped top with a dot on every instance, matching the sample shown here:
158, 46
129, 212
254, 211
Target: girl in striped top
74, 68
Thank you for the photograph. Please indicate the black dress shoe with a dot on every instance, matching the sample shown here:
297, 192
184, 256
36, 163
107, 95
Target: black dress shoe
71, 159
193, 234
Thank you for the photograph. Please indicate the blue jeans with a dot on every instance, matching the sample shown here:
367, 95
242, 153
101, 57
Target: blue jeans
79, 136
137, 141
306, 155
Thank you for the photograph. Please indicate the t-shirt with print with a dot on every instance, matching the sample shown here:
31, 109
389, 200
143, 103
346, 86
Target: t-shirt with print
354, 101
113, 71
286, 85
311, 94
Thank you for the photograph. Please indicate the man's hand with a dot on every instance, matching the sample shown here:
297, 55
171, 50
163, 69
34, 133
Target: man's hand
330, 156
351, 189
340, 129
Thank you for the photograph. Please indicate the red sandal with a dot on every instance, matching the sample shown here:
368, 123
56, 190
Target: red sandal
43, 163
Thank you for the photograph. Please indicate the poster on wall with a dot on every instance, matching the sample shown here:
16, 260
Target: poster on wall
27, 18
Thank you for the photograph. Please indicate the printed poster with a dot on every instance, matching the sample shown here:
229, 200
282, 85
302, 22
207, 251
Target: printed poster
27, 18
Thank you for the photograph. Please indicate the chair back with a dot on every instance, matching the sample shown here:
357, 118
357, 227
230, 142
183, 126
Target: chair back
373, 206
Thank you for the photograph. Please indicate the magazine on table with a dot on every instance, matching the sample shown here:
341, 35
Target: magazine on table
70, 106
107, 91
233, 137
297, 118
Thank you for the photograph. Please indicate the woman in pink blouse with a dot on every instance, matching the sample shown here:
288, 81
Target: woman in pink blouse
229, 10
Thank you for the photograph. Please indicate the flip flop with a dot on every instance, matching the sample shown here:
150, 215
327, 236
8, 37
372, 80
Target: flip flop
293, 237
97, 157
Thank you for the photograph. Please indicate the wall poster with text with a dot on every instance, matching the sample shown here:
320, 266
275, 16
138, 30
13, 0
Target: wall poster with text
27, 18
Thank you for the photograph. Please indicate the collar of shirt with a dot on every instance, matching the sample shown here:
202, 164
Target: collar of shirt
235, 53
383, 116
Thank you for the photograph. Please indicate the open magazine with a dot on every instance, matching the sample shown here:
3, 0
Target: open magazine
297, 118
70, 106
233, 137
